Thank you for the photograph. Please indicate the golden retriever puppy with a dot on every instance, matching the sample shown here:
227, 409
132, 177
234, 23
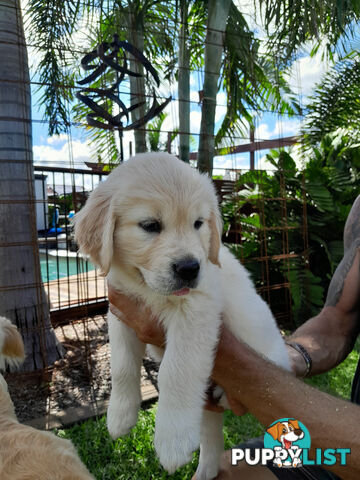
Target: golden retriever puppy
26, 453
154, 228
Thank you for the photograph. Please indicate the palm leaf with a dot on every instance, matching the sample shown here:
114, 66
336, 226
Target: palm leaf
291, 23
335, 102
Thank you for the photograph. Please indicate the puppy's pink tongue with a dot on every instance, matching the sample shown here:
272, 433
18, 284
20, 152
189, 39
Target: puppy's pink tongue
183, 291
287, 444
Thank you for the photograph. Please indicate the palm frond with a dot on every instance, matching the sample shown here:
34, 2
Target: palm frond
52, 24
291, 23
251, 80
335, 102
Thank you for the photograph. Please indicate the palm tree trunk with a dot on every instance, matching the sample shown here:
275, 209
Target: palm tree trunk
137, 84
22, 296
218, 12
184, 85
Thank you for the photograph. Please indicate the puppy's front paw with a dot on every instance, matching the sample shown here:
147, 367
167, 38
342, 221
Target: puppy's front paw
207, 472
175, 445
121, 417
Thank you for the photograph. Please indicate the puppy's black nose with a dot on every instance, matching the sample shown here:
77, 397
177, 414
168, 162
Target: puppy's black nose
187, 269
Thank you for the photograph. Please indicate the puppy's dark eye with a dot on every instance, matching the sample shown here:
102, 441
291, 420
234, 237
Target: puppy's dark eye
151, 226
198, 224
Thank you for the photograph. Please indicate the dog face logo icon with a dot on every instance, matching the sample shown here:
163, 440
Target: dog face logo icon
287, 437
286, 432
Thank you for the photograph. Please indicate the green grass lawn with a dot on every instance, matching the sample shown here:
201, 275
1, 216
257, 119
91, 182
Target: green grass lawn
133, 457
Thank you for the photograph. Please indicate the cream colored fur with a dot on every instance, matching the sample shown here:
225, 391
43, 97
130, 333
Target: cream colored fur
26, 453
159, 186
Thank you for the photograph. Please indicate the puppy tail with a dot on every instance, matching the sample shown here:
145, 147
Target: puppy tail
12, 351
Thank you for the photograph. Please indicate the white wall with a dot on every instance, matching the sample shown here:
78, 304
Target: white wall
41, 200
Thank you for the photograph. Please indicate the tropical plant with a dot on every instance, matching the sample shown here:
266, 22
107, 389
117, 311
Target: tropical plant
22, 296
335, 103
289, 223
292, 23
252, 80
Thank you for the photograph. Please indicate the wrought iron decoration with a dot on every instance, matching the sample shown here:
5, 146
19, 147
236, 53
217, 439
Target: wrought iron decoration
113, 55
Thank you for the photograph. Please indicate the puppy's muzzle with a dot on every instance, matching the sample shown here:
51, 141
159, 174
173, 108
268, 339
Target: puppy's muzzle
186, 269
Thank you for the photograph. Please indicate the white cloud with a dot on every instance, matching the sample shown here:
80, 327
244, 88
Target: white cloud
56, 151
195, 121
295, 152
229, 162
286, 128
264, 164
57, 139
221, 106
49, 155
262, 132
306, 71
282, 128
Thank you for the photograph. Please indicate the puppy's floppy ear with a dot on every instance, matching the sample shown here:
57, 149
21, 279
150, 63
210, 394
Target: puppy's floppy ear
94, 227
295, 424
215, 225
274, 431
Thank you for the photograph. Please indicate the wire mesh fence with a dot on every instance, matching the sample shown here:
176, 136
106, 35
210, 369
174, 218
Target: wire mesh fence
252, 220
70, 279
66, 336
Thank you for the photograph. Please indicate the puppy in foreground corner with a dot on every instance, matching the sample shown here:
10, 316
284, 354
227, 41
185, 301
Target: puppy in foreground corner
154, 228
26, 453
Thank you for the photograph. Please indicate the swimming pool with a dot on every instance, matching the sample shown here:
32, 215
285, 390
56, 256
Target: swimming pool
54, 267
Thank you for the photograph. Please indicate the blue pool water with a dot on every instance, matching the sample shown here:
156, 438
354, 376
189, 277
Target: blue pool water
59, 267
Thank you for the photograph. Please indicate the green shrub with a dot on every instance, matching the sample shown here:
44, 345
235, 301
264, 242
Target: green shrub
289, 223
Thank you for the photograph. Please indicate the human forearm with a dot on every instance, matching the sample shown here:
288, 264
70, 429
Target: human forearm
271, 393
328, 338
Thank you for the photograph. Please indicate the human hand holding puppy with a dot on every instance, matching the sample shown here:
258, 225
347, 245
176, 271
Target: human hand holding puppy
149, 331
236, 365
136, 316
